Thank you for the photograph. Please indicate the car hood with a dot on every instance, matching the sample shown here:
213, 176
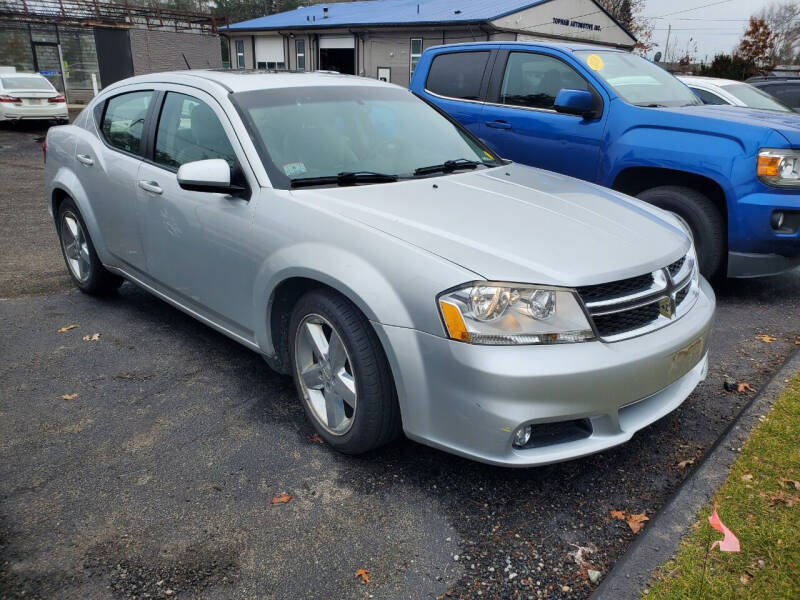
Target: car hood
785, 123
517, 224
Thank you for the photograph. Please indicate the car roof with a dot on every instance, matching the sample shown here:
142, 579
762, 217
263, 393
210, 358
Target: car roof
30, 75
718, 81
773, 78
248, 80
567, 46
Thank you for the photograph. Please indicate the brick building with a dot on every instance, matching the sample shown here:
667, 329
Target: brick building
68, 41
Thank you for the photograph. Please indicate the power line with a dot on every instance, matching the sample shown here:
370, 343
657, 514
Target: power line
679, 12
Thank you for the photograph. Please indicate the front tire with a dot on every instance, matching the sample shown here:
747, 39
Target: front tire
341, 373
702, 217
83, 265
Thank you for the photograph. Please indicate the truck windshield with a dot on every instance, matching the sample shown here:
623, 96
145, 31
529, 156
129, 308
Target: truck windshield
638, 81
321, 132
754, 97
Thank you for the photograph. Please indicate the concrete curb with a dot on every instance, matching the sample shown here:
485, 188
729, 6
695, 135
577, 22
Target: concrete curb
659, 542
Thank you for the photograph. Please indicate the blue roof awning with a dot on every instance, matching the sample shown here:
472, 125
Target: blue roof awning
387, 12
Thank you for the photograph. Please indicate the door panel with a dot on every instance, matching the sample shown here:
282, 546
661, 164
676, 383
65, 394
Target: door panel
520, 124
48, 64
109, 174
196, 243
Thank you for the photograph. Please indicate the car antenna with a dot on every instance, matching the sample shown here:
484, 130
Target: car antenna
188, 66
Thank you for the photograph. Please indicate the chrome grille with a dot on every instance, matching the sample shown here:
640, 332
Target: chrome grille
634, 306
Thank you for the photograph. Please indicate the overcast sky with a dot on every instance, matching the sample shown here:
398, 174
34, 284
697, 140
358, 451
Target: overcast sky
715, 28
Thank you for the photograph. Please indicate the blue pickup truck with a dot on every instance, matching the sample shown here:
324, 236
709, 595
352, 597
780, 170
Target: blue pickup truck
613, 118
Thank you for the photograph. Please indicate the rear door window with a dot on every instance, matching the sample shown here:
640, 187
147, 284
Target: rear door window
708, 97
534, 80
458, 74
123, 121
789, 94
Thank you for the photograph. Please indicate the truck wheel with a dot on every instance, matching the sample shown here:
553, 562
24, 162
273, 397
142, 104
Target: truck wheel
703, 218
83, 265
342, 374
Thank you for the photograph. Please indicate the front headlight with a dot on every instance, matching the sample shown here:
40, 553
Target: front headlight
513, 314
779, 167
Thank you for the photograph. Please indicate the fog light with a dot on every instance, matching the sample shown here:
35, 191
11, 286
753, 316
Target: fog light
522, 435
777, 220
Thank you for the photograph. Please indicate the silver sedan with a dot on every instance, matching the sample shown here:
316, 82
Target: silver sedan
406, 277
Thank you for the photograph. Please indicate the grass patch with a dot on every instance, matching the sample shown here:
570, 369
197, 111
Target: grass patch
755, 502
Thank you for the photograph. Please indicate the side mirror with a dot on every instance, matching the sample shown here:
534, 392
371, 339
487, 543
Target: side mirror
575, 102
212, 175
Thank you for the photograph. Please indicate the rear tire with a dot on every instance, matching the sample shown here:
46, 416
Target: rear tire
342, 374
702, 217
83, 265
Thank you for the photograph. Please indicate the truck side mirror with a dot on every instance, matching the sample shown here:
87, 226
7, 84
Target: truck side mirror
575, 102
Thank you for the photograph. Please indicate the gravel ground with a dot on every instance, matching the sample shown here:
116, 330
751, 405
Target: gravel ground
156, 479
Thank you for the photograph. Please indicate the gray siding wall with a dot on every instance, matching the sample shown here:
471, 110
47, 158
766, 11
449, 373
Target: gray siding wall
154, 51
248, 51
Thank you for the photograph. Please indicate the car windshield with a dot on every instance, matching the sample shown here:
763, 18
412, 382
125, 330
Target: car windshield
754, 97
324, 131
26, 83
638, 81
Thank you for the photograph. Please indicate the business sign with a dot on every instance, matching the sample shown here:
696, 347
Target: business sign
576, 24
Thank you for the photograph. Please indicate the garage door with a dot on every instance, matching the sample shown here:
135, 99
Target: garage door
269, 52
336, 42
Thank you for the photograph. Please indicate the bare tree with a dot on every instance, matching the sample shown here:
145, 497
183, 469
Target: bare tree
783, 19
630, 14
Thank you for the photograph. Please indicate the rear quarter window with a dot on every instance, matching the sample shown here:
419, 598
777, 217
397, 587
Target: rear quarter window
458, 74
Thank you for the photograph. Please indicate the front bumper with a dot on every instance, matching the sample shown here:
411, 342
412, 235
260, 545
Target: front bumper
756, 248
469, 399
11, 112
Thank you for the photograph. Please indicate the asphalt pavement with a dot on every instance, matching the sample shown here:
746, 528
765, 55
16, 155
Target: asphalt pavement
143, 464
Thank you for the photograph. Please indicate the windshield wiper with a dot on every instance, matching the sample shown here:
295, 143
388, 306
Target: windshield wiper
345, 178
448, 166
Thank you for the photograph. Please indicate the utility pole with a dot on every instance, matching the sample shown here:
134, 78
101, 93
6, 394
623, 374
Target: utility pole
666, 46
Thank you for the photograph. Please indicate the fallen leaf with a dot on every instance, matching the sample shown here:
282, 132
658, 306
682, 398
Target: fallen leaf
66, 328
745, 578
69, 396
781, 497
747, 477
730, 542
618, 514
789, 483
744, 387
685, 463
767, 339
636, 522
316, 439
363, 574
91, 338
282, 499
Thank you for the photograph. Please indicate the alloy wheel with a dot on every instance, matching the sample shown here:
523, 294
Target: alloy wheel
76, 246
325, 374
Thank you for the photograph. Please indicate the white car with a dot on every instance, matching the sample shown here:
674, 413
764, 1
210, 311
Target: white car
30, 96
735, 93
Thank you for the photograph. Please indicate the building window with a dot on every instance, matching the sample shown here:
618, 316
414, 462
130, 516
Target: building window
240, 54
300, 46
416, 52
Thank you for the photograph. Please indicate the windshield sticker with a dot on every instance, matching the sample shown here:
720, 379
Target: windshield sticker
487, 155
595, 62
294, 169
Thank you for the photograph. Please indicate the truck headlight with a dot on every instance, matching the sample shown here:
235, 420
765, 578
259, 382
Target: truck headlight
513, 314
779, 167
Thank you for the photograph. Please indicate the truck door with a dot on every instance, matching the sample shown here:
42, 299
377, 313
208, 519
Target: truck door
520, 123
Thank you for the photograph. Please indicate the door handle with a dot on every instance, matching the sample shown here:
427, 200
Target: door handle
85, 159
150, 186
498, 124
